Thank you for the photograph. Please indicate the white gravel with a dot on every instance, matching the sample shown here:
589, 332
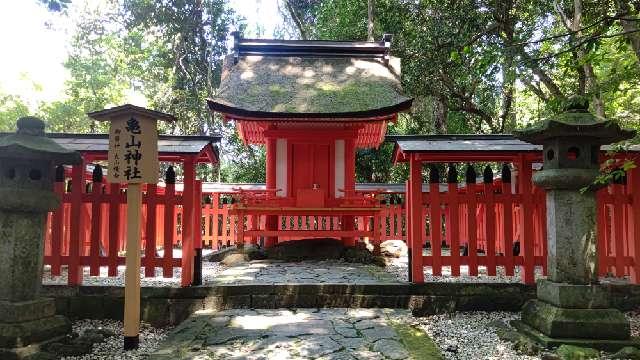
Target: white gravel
466, 335
399, 268
112, 348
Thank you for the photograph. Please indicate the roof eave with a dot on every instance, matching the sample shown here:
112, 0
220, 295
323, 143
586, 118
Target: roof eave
244, 113
126, 109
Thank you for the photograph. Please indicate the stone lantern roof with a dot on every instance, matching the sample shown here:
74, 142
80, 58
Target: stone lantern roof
577, 122
29, 142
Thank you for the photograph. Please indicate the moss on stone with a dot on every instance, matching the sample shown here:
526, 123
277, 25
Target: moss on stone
628, 353
570, 352
417, 342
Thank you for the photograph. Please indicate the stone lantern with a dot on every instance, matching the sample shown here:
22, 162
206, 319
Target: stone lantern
27, 162
571, 307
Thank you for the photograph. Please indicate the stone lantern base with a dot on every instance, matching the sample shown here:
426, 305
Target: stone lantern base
26, 326
576, 315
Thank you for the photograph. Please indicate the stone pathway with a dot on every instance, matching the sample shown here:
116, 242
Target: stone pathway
290, 334
305, 272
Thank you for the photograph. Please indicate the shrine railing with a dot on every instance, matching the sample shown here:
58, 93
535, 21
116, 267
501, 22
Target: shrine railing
88, 230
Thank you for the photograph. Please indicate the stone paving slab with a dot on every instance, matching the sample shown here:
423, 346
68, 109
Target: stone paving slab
287, 334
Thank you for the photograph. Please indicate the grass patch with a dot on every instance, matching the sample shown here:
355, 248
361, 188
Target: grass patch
417, 342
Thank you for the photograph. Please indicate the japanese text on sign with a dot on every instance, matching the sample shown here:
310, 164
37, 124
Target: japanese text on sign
133, 152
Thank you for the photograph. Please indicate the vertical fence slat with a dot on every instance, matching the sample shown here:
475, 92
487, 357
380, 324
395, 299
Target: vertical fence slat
169, 222
77, 226
453, 230
633, 185
507, 222
414, 218
490, 223
472, 231
57, 223
150, 244
618, 227
114, 227
96, 219
525, 172
435, 220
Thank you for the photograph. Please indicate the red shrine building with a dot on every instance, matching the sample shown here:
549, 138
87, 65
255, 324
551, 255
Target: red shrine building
312, 104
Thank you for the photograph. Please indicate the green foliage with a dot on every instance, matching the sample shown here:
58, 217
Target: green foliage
472, 67
56, 5
11, 109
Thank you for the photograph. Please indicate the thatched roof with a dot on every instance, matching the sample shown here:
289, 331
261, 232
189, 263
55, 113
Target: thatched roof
307, 85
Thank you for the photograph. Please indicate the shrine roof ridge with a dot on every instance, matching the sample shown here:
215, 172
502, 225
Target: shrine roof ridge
306, 48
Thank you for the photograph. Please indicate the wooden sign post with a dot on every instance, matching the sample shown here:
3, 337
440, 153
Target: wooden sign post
133, 160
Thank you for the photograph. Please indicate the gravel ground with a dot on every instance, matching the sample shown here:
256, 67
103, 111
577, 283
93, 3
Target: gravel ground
210, 272
466, 335
112, 348
399, 268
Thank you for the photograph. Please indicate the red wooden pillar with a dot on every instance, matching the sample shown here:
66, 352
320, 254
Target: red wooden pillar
77, 226
349, 187
96, 221
115, 196
453, 229
57, 223
187, 220
633, 188
414, 203
272, 220
526, 219
169, 222
507, 228
197, 236
435, 220
197, 233
151, 235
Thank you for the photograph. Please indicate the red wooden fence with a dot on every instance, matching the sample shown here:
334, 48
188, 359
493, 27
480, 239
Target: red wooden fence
484, 221
88, 228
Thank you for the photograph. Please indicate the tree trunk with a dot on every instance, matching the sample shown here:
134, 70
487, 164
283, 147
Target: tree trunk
508, 65
296, 20
440, 110
629, 26
590, 79
370, 20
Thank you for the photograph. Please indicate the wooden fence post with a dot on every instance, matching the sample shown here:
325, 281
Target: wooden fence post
414, 219
453, 230
151, 226
435, 220
470, 180
96, 221
169, 222
57, 223
77, 226
490, 222
507, 221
